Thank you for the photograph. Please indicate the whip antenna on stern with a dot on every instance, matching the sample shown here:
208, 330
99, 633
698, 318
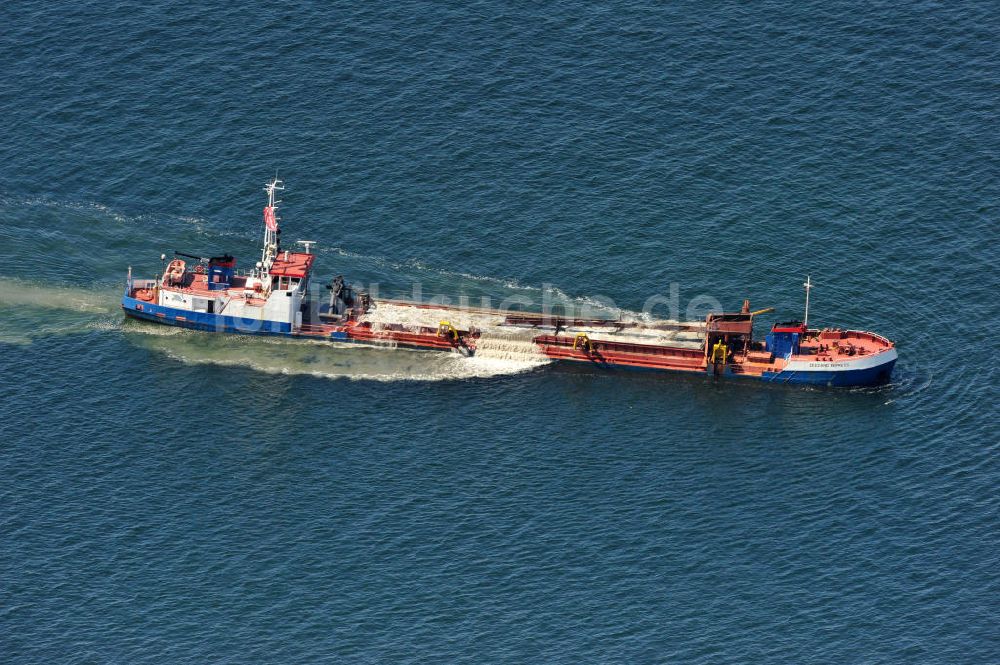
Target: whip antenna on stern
809, 285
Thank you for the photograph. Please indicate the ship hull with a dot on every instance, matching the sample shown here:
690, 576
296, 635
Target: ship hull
865, 371
272, 299
203, 321
217, 323
845, 377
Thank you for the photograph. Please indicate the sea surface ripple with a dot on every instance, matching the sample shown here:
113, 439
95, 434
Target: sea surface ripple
171, 497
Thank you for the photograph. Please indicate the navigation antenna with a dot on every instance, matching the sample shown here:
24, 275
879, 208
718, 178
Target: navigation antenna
808, 284
271, 224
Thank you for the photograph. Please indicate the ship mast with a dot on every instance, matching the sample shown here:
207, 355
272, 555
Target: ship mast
808, 284
270, 250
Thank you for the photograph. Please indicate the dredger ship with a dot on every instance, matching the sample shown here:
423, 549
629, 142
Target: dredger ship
210, 294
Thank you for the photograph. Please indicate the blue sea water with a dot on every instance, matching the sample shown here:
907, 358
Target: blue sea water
172, 497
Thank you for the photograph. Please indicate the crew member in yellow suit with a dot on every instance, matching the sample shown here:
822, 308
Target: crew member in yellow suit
719, 352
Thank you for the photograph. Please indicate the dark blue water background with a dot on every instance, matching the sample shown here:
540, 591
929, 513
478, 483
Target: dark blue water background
181, 498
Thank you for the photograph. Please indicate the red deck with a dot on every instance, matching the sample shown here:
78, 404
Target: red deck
197, 284
292, 264
619, 353
833, 345
426, 339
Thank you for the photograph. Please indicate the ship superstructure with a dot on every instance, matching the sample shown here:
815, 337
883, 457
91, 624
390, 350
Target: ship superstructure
211, 294
208, 293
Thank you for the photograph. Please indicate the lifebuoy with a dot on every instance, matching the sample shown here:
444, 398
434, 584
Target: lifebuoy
175, 271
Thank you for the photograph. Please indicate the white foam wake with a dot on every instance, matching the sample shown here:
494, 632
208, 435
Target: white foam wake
321, 359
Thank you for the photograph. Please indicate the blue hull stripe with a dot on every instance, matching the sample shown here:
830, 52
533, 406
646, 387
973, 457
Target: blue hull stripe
856, 377
203, 320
